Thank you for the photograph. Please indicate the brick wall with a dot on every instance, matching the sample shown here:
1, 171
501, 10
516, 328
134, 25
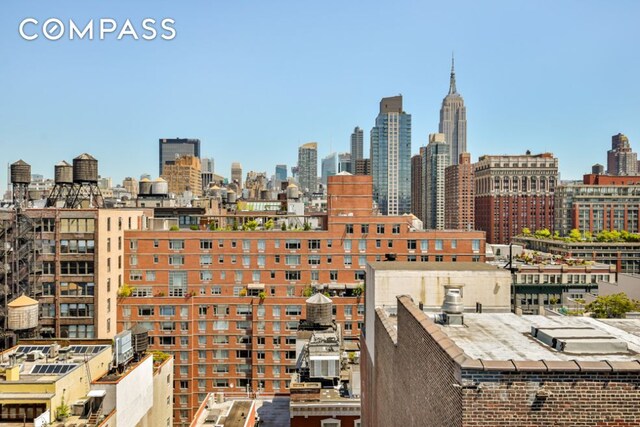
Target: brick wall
421, 377
413, 379
573, 399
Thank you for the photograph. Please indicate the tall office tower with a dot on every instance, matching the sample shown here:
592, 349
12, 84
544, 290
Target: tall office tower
514, 192
236, 174
363, 167
184, 175
308, 167
329, 167
458, 199
208, 164
281, 173
453, 120
620, 159
171, 149
417, 186
357, 144
391, 158
437, 162
344, 163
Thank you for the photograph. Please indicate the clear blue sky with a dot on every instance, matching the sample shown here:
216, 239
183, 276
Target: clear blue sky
254, 79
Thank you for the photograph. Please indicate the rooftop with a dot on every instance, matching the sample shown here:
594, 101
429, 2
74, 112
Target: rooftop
505, 336
45, 363
433, 266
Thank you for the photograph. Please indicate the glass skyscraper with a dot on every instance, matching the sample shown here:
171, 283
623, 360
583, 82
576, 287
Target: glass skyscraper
391, 158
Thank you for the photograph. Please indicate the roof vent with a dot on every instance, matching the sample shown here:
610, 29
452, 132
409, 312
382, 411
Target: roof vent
582, 340
453, 308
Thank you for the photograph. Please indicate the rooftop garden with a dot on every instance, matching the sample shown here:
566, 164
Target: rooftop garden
576, 235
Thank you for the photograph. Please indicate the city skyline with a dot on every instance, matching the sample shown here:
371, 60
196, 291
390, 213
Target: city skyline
113, 104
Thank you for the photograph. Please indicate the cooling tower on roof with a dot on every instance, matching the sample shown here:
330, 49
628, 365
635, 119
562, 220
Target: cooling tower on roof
85, 192
159, 187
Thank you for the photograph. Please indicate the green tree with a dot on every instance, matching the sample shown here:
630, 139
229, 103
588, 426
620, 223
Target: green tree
307, 292
575, 235
269, 224
543, 234
526, 231
307, 226
283, 227
614, 306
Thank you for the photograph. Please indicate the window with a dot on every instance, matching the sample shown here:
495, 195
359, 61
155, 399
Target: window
348, 310
333, 275
347, 245
329, 243
438, 244
380, 229
347, 260
233, 244
359, 275
330, 422
220, 354
216, 290
475, 245
454, 244
177, 283
206, 244
293, 310
220, 309
135, 275
395, 229
313, 259
76, 268
246, 245
205, 260
220, 369
292, 275
176, 244
424, 245
314, 244
176, 259
220, 325
246, 260
439, 258
348, 228
315, 275
364, 228
156, 243
261, 245
167, 310
150, 276
411, 244
390, 243
411, 258
292, 244
206, 275
292, 259
276, 259
145, 310
156, 259
362, 245
221, 339
243, 310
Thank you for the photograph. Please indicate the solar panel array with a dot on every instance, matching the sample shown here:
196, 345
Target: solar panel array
25, 349
86, 349
58, 369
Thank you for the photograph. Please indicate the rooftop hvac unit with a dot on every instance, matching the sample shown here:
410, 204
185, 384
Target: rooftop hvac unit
34, 355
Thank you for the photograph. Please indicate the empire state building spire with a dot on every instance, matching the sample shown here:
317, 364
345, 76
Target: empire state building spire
453, 120
452, 82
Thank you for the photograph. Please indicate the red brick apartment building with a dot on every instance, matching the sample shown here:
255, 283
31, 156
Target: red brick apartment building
226, 304
514, 192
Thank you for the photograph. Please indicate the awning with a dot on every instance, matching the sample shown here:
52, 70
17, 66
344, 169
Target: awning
97, 393
337, 286
255, 286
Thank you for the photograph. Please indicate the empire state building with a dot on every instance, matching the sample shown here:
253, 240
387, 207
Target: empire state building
453, 120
